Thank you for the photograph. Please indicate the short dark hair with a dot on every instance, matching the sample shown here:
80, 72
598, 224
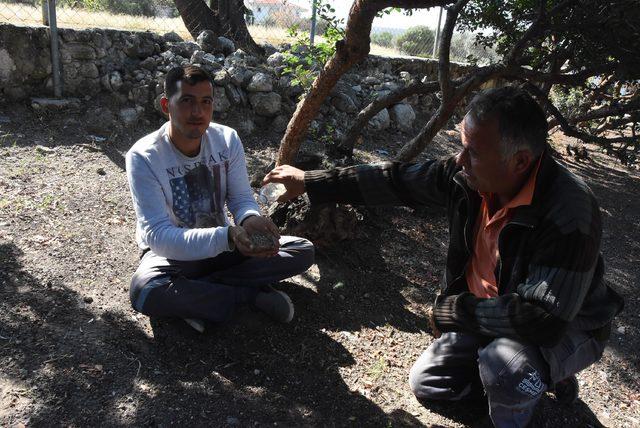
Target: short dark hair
190, 74
521, 120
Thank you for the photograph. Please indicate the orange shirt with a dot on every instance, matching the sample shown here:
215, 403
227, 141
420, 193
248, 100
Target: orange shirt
480, 274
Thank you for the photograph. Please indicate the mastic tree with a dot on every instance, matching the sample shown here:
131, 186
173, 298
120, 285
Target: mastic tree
416, 41
590, 45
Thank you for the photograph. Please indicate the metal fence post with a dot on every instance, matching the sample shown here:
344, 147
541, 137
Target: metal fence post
313, 22
55, 53
437, 41
45, 12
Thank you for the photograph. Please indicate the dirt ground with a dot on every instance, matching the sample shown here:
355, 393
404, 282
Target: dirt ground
74, 353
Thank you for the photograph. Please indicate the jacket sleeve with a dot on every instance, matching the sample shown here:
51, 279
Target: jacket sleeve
389, 183
561, 268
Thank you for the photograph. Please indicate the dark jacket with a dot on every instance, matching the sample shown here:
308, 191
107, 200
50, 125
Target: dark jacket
550, 270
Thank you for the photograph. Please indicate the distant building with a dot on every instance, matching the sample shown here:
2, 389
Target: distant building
263, 11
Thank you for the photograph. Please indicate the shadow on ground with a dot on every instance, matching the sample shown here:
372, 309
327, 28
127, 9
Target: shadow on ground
77, 367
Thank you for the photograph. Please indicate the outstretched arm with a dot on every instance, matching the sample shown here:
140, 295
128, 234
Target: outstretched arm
389, 183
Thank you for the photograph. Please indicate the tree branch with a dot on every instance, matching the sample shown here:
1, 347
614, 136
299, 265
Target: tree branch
444, 49
352, 49
602, 112
417, 88
567, 128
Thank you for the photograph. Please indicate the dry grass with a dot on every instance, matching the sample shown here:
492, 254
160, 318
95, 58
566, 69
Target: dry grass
22, 14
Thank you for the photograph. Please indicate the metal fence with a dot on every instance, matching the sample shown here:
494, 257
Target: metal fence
268, 21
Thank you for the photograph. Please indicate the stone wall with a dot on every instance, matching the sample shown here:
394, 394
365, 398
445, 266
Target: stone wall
130, 68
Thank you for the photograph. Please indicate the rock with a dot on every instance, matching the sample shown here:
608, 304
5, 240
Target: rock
149, 64
197, 57
381, 120
389, 86
276, 59
405, 75
184, 49
265, 103
237, 75
211, 61
280, 123
357, 88
113, 81
130, 115
220, 101
44, 150
221, 77
5, 119
235, 95
140, 95
343, 102
172, 37
89, 69
371, 80
226, 45
88, 299
52, 103
246, 127
138, 46
168, 56
403, 116
100, 171
76, 51
269, 49
260, 82
208, 41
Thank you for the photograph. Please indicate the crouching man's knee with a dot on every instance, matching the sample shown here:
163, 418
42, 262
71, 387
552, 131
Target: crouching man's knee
512, 374
418, 381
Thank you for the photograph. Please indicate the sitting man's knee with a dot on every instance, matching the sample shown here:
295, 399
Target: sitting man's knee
512, 374
305, 253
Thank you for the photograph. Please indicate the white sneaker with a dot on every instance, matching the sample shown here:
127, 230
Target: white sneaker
196, 324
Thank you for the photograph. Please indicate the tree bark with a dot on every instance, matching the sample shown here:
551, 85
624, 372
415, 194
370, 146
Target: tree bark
224, 18
349, 140
349, 51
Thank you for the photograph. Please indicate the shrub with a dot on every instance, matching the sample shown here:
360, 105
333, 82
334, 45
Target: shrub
383, 39
416, 41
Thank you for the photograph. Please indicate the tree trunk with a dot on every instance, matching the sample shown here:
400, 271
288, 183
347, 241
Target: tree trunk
224, 18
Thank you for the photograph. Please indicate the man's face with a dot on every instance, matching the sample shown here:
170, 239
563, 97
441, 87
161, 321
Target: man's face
483, 165
190, 109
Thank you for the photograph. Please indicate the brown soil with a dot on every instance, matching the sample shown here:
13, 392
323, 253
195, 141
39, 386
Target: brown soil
74, 353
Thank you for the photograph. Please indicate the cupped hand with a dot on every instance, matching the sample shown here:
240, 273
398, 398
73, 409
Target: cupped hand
263, 227
291, 177
243, 243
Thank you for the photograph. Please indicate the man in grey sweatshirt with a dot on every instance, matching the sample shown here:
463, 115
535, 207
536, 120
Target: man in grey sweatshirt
194, 264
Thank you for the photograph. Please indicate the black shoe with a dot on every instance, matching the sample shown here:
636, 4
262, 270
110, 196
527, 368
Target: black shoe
566, 391
275, 303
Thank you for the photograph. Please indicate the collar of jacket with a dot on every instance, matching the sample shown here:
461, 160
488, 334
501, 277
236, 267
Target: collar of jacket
528, 215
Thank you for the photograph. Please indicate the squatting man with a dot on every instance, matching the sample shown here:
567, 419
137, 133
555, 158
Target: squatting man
194, 264
523, 305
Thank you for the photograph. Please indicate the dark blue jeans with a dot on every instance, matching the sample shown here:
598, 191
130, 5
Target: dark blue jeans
211, 289
512, 374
